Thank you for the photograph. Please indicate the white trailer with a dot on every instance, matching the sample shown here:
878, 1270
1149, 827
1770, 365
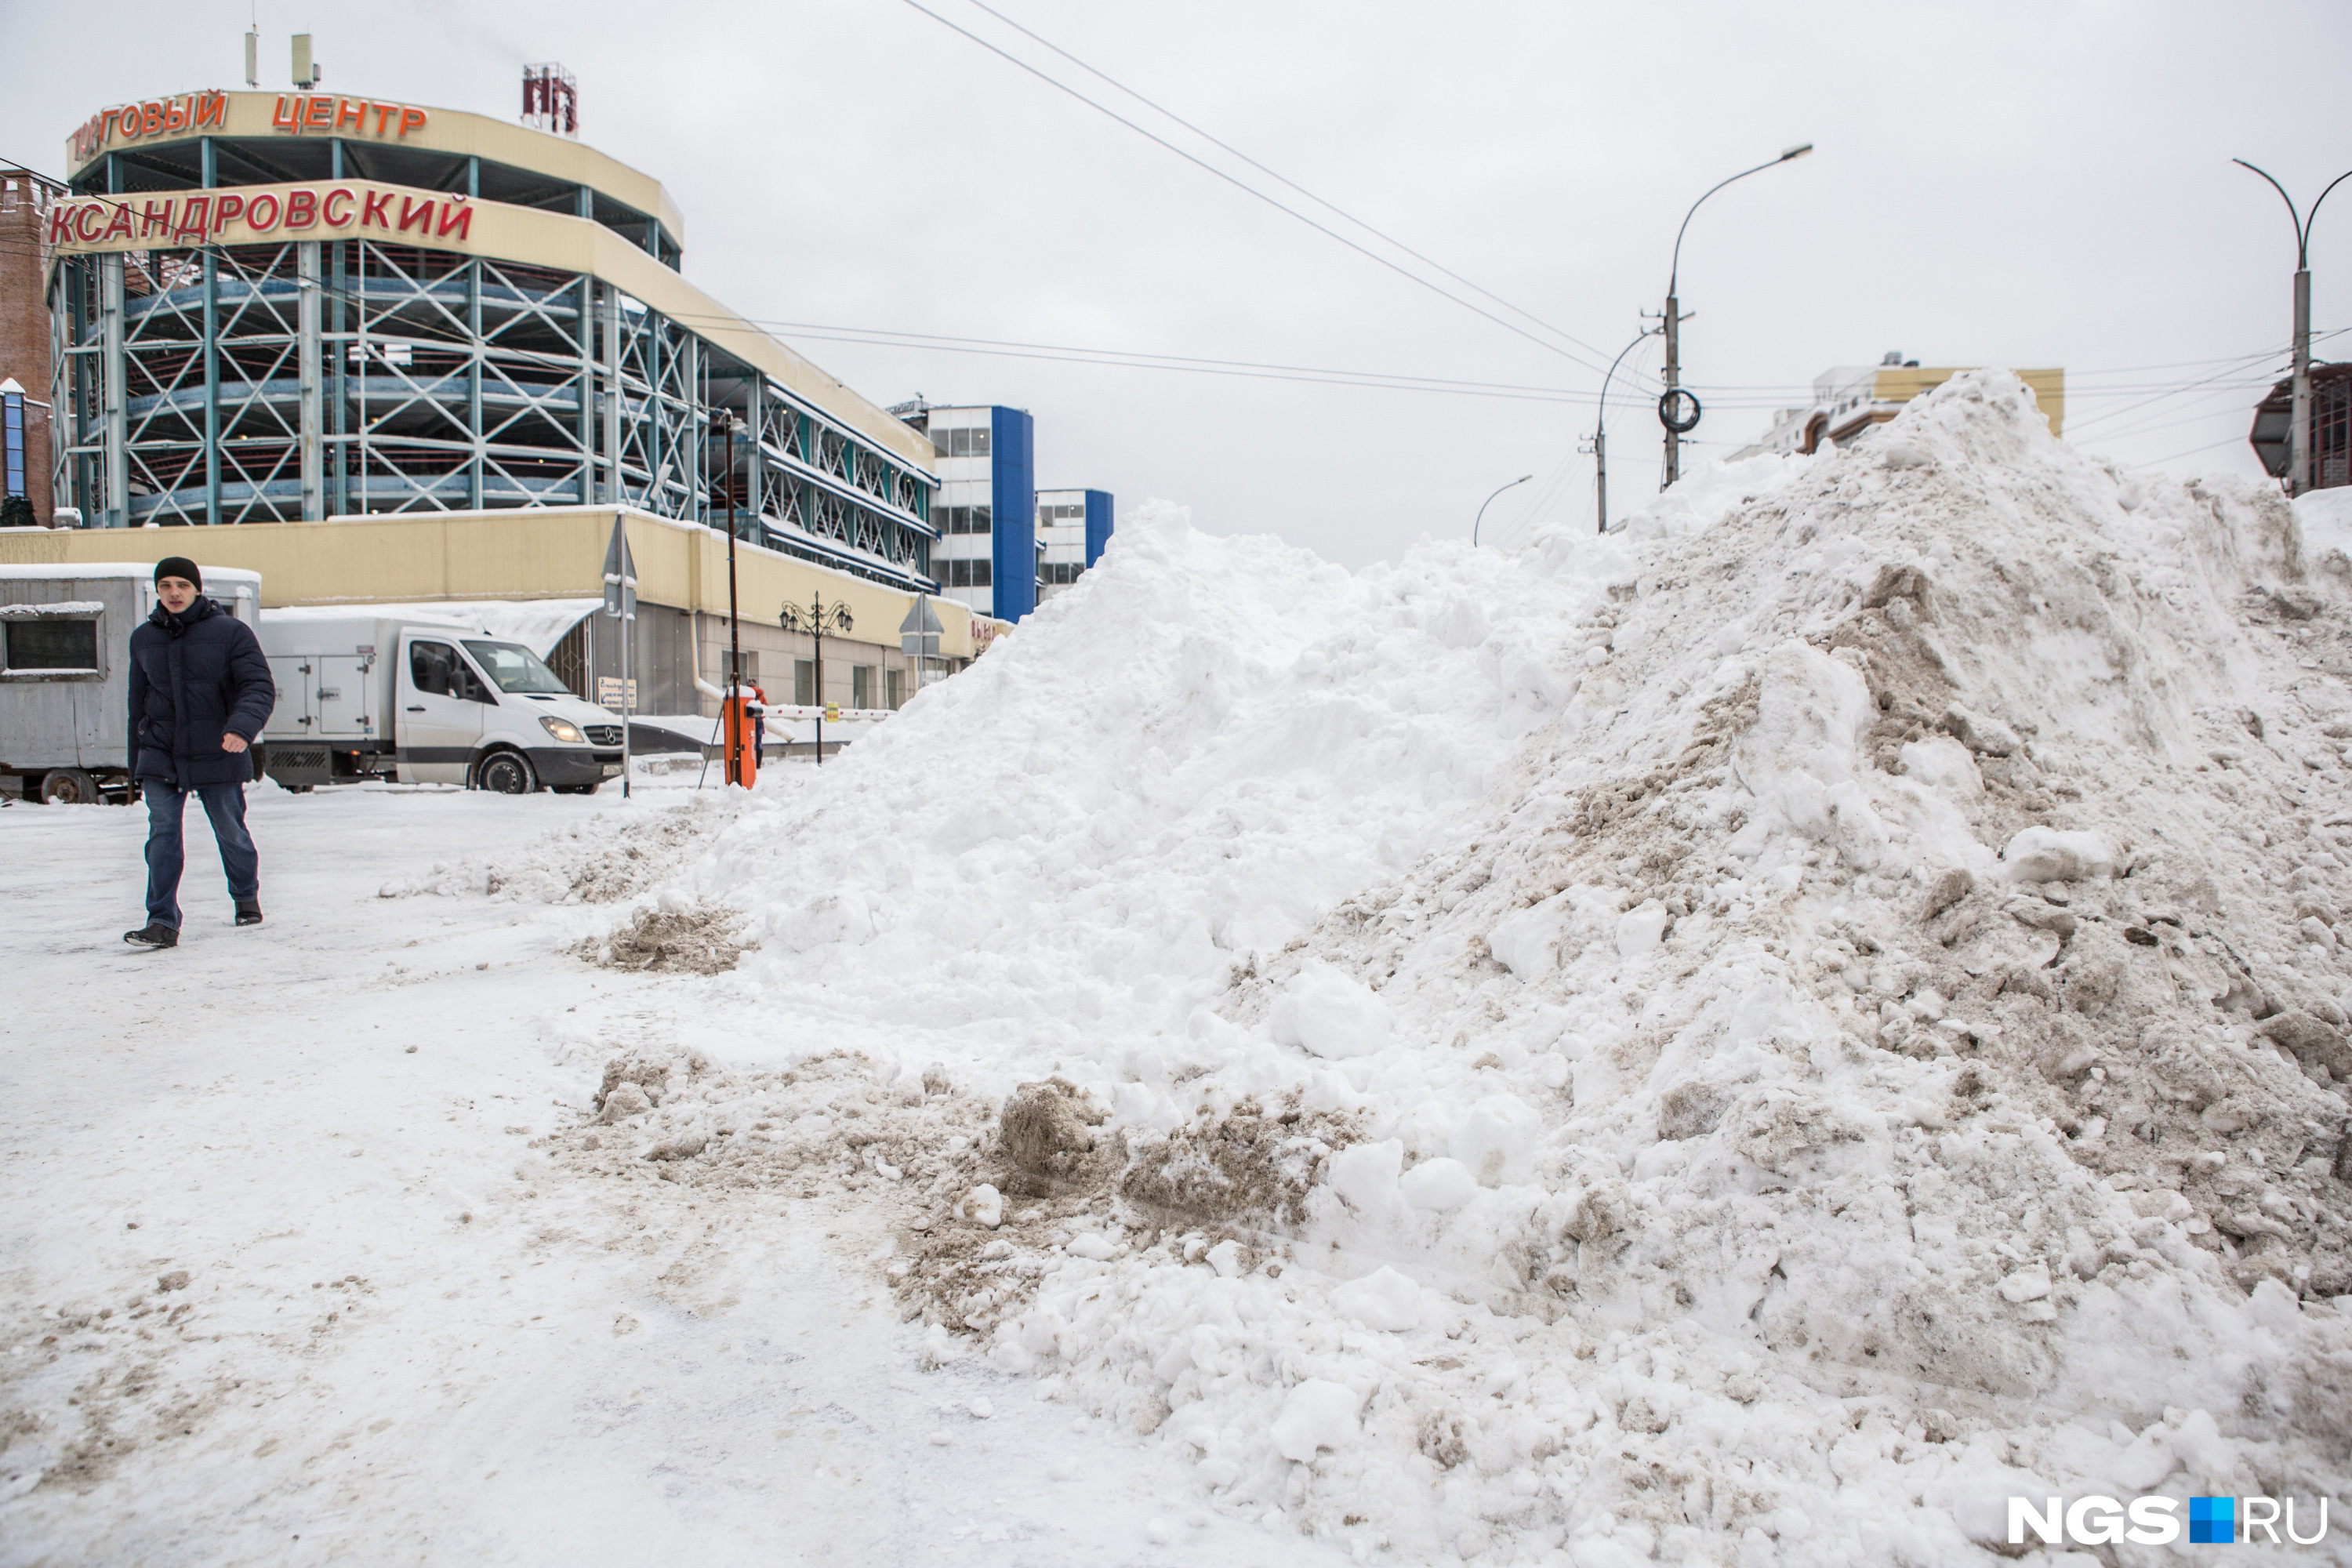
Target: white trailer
65, 670
425, 700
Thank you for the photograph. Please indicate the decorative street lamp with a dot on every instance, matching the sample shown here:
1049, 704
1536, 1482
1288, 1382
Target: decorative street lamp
1678, 410
1483, 505
816, 620
2298, 439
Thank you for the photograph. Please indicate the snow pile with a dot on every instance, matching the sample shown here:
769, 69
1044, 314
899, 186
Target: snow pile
1756, 1040
608, 858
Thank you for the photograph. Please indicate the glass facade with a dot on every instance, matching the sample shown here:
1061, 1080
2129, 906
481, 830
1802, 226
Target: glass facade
220, 383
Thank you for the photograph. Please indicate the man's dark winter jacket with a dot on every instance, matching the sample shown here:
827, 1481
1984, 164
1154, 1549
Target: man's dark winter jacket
195, 677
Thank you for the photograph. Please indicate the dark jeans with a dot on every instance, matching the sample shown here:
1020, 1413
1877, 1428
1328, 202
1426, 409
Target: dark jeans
166, 854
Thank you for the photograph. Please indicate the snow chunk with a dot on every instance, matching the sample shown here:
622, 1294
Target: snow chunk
1527, 943
984, 1205
2050, 854
1320, 1414
2028, 1283
1365, 1174
1496, 1141
1439, 1185
1640, 931
1330, 1015
1383, 1300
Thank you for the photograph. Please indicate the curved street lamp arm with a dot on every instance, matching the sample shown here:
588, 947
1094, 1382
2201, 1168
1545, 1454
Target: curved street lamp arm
1600, 416
2293, 216
1674, 272
2313, 216
1483, 505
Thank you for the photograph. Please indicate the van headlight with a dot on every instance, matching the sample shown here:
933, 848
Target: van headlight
564, 731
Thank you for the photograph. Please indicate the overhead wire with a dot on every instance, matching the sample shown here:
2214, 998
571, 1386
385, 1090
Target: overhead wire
1276, 175
1244, 185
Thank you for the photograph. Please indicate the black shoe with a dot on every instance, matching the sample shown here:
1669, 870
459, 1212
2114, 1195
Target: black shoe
248, 912
153, 935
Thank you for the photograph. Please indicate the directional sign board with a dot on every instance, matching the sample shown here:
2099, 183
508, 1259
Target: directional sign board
620, 574
918, 634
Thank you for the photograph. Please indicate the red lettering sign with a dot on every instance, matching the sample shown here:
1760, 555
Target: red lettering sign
60, 229
84, 221
326, 209
196, 217
253, 218
459, 216
302, 208
155, 218
372, 212
421, 212
225, 206
121, 223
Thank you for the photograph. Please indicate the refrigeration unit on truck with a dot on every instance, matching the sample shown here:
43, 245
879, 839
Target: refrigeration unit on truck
65, 670
420, 700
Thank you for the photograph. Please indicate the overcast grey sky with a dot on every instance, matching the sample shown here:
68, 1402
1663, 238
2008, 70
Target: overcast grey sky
2027, 184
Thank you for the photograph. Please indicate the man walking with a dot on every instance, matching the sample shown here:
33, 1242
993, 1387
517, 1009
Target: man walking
200, 693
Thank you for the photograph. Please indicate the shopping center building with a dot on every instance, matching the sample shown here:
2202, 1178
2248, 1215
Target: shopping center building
292, 310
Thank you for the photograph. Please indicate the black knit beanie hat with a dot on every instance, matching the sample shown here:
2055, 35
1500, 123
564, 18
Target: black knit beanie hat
179, 566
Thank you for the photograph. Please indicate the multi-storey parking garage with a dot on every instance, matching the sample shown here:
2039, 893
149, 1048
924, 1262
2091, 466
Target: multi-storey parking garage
273, 307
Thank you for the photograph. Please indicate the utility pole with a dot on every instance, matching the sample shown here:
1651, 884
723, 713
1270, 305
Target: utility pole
734, 624
1671, 326
2298, 462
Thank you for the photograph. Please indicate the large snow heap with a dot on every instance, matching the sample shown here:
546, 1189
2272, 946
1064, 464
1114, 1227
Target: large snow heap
1765, 1037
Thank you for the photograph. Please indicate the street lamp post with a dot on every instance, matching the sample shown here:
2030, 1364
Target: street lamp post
1600, 436
1671, 326
2298, 462
1483, 505
816, 620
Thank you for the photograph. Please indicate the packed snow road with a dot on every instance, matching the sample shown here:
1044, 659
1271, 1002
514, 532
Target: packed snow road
285, 1277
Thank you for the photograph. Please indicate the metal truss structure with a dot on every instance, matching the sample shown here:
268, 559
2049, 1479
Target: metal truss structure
303, 380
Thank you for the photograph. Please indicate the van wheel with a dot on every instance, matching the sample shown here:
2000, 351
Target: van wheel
68, 787
506, 772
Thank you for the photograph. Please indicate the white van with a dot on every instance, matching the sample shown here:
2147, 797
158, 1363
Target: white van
425, 701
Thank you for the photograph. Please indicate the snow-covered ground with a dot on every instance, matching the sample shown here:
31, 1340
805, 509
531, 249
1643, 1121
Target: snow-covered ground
403, 1334
1752, 1040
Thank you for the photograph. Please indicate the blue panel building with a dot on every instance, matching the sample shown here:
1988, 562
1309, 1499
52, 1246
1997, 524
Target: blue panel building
1073, 527
986, 511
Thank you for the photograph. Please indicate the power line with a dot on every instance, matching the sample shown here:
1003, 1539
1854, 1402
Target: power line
887, 338
1276, 175
1243, 186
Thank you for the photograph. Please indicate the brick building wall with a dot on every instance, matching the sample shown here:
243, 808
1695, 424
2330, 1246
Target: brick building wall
25, 199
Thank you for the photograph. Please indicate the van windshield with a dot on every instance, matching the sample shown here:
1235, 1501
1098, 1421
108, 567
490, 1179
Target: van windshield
516, 668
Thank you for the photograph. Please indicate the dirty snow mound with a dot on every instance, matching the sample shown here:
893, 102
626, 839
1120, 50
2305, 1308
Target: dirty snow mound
1799, 1024
607, 859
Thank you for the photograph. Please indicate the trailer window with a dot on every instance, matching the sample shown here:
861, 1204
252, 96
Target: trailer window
48, 644
516, 668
